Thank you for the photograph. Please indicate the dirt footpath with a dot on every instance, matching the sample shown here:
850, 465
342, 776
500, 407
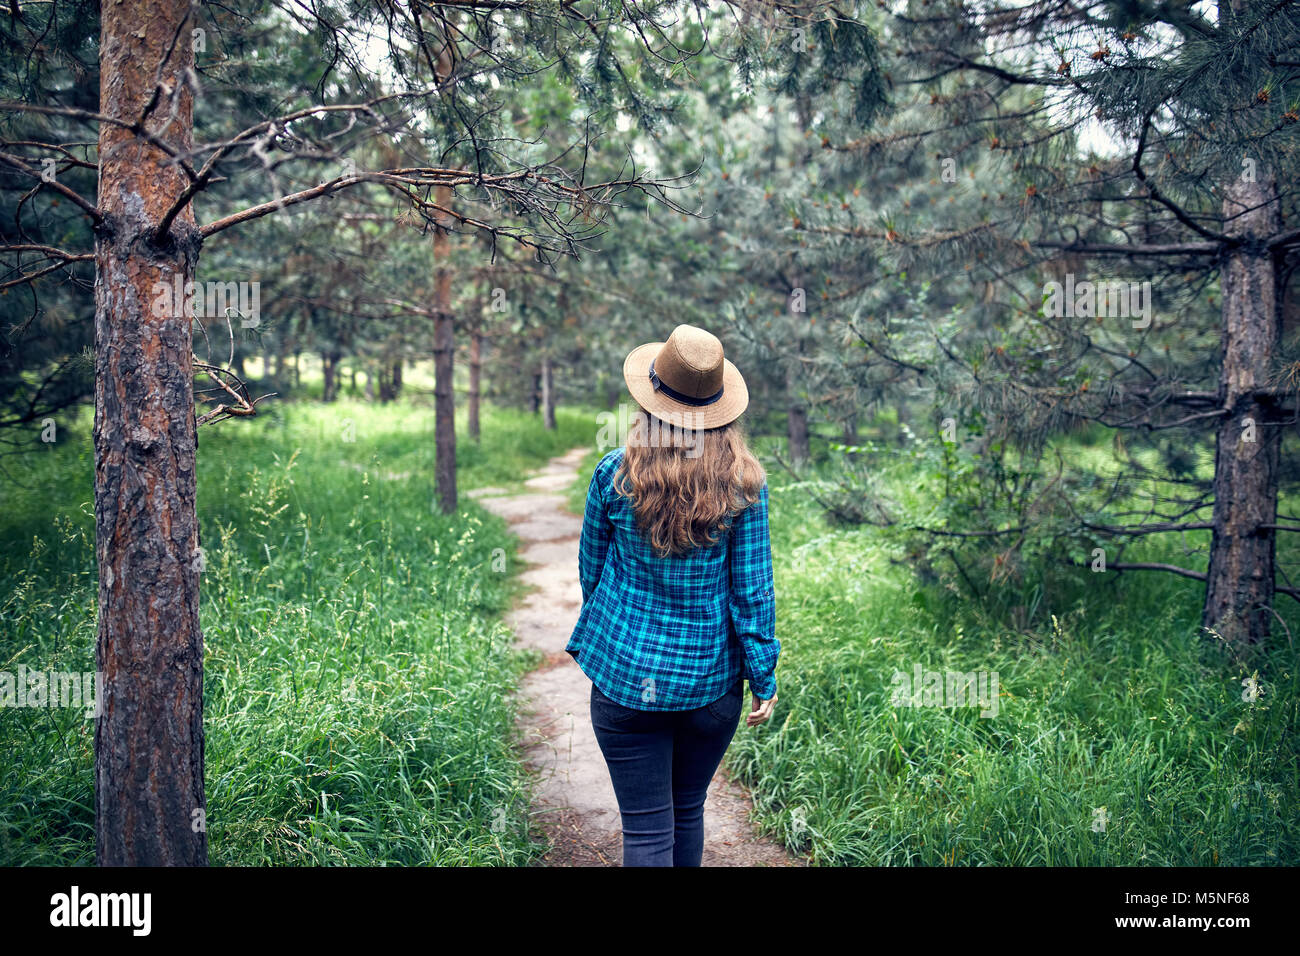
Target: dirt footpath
575, 806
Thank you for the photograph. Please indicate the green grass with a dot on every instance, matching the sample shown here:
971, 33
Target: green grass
1114, 707
357, 675
356, 670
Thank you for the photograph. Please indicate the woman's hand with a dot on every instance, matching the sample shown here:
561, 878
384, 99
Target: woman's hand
760, 711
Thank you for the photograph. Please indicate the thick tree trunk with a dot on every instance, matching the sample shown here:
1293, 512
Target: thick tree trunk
535, 398
149, 800
444, 347
444, 337
1239, 585
475, 380
397, 377
548, 394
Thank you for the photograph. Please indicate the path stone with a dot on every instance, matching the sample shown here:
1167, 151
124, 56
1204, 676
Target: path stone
575, 804
518, 507
485, 492
548, 526
556, 481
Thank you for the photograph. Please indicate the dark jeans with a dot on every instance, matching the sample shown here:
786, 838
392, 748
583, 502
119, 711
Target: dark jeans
661, 762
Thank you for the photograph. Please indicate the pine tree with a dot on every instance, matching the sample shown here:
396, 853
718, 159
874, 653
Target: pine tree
1111, 146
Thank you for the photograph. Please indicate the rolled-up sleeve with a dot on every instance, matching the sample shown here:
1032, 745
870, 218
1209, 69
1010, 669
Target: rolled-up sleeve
753, 602
594, 543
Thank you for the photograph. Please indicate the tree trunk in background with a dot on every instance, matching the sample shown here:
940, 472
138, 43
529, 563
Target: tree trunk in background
385, 384
370, 382
475, 380
1239, 586
329, 363
352, 388
444, 329
397, 378
851, 430
797, 423
797, 433
297, 369
149, 798
444, 348
535, 399
851, 436
548, 394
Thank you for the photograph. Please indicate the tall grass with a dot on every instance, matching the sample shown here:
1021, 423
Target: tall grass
358, 678
1124, 735
356, 671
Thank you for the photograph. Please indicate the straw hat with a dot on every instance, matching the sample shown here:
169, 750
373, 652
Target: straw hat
686, 381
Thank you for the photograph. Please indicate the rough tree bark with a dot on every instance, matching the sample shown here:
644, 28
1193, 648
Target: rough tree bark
1240, 584
444, 346
444, 334
149, 800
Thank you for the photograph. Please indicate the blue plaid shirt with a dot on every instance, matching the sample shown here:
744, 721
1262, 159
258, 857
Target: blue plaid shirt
672, 633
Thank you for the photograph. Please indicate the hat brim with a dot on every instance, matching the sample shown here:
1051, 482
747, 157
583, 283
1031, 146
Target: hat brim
734, 400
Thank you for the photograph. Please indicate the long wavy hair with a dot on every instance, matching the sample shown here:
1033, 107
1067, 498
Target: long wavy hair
686, 486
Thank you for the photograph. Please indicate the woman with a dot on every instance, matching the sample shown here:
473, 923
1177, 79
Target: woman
677, 598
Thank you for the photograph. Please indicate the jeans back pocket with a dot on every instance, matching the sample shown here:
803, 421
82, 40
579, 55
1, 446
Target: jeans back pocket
612, 710
728, 706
